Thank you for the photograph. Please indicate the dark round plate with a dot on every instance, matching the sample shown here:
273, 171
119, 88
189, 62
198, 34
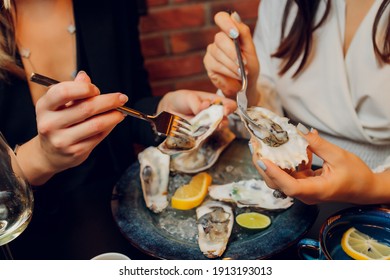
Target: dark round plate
172, 234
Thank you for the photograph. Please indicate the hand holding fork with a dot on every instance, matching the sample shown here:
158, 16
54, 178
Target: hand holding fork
164, 123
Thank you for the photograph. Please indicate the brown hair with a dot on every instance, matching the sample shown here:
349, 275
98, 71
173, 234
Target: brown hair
8, 45
300, 38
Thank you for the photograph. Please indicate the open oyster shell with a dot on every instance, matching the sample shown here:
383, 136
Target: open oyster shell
154, 175
203, 124
205, 155
215, 222
249, 193
278, 141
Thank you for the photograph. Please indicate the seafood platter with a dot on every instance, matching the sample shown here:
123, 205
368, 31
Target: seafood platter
146, 213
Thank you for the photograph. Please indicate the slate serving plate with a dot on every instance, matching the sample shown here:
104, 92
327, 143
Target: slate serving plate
172, 234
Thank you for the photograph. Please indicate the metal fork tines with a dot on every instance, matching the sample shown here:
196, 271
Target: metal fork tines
164, 123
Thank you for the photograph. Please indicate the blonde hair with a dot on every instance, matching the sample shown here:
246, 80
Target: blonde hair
8, 64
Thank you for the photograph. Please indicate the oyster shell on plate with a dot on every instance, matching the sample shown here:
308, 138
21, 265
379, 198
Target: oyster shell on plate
278, 140
205, 155
215, 222
203, 125
249, 193
154, 176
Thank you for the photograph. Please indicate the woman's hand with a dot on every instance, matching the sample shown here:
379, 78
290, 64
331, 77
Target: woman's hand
188, 103
221, 60
343, 177
72, 118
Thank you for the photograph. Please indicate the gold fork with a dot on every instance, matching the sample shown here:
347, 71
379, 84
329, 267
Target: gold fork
163, 123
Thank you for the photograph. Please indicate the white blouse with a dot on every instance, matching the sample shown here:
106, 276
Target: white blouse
347, 99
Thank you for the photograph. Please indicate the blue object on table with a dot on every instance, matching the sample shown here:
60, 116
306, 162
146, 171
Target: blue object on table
371, 220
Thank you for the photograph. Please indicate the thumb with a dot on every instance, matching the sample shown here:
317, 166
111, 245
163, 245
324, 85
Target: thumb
230, 106
321, 147
82, 76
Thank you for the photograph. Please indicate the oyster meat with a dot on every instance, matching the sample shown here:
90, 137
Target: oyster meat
154, 176
205, 155
249, 193
278, 140
203, 125
215, 222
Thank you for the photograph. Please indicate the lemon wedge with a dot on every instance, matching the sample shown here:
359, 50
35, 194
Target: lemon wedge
253, 220
189, 196
360, 246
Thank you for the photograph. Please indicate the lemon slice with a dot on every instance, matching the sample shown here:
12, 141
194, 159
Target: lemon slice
189, 196
253, 220
360, 246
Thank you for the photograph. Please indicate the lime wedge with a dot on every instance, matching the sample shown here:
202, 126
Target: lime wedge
253, 220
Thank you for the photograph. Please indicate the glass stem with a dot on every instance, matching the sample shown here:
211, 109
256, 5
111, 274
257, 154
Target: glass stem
7, 252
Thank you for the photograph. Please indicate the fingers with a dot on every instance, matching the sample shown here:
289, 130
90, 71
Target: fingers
208, 99
96, 125
86, 108
245, 37
223, 56
61, 94
227, 25
230, 106
322, 148
221, 64
74, 140
305, 185
188, 103
221, 60
82, 77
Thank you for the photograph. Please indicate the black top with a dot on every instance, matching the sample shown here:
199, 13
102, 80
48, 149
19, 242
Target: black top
72, 216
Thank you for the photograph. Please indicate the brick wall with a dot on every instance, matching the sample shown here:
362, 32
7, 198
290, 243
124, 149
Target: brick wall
174, 37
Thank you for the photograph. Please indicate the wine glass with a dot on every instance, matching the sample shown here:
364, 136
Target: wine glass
16, 198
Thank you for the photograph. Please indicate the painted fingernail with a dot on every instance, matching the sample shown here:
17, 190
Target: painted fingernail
261, 164
81, 73
123, 98
233, 33
236, 17
250, 148
302, 128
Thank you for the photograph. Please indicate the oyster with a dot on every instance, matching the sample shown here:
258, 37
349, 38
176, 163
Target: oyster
205, 155
249, 193
203, 124
278, 140
154, 175
215, 222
